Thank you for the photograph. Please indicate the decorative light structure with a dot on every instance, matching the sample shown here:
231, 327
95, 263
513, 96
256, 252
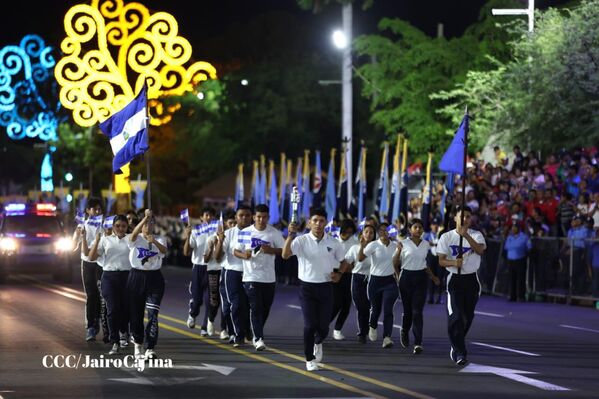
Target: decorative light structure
29, 106
110, 44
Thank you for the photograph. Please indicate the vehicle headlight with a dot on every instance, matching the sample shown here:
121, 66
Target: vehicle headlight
8, 244
64, 245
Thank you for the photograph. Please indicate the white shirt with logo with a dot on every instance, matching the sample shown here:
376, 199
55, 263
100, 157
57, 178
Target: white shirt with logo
382, 257
317, 259
449, 245
260, 267
230, 244
143, 256
115, 253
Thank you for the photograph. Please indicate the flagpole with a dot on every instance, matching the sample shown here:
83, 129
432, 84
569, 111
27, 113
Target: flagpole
463, 201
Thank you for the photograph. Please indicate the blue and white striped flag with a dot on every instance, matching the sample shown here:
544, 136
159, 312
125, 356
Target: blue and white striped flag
244, 237
127, 131
361, 225
95, 221
108, 222
185, 216
392, 230
332, 230
79, 217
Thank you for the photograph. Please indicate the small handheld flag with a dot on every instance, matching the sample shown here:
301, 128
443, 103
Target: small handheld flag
392, 230
185, 216
95, 221
108, 222
127, 131
79, 217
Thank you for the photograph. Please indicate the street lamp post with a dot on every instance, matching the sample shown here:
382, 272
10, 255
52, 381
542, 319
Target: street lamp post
342, 40
530, 12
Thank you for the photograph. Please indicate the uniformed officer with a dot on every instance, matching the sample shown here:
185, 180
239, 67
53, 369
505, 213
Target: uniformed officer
463, 287
321, 261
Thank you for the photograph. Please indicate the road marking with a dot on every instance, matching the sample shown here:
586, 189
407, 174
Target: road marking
156, 380
294, 307
316, 376
503, 348
488, 314
579, 328
514, 375
224, 370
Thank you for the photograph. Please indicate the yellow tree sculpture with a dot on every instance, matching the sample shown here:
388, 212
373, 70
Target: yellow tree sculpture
109, 44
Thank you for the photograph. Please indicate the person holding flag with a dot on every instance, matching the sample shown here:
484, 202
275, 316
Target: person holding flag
260, 243
213, 266
410, 258
196, 245
91, 271
342, 290
145, 284
460, 260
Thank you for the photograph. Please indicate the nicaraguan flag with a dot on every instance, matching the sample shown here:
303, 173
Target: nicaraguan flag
108, 222
392, 230
244, 237
95, 221
79, 217
127, 131
185, 216
361, 225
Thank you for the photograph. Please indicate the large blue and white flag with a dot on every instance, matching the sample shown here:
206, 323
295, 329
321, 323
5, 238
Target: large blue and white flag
127, 131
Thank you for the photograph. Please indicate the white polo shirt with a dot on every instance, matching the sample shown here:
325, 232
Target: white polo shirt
382, 257
143, 258
260, 267
230, 244
89, 237
347, 244
317, 259
413, 257
359, 267
115, 253
449, 245
198, 243
212, 263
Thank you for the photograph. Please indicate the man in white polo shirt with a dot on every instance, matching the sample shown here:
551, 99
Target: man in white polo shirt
463, 287
260, 243
321, 260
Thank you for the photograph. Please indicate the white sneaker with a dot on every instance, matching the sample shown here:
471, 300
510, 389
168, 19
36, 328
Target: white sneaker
123, 341
210, 328
203, 333
372, 334
312, 365
191, 321
150, 354
260, 345
114, 350
224, 335
417, 349
139, 351
387, 343
337, 335
318, 353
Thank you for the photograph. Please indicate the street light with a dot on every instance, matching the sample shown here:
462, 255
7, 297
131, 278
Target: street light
339, 39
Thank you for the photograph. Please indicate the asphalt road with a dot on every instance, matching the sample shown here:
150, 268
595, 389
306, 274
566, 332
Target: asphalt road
516, 350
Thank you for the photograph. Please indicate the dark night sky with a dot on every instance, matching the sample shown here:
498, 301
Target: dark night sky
200, 21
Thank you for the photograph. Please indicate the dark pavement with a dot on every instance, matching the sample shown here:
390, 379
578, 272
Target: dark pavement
516, 350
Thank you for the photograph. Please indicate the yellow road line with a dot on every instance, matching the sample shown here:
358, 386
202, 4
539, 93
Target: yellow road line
229, 348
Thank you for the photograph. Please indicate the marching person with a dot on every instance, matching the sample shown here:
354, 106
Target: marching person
115, 252
226, 322
382, 285
410, 258
260, 244
463, 287
145, 284
91, 272
342, 290
196, 245
235, 297
320, 262
213, 266
359, 282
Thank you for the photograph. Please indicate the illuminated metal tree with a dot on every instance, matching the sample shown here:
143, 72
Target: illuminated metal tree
28, 96
110, 44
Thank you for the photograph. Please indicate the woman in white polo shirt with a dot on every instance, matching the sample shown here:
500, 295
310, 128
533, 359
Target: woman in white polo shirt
411, 257
359, 281
115, 253
382, 286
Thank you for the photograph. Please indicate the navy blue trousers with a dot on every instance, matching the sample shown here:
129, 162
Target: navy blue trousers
359, 292
341, 300
382, 293
260, 297
114, 292
95, 307
412, 287
198, 289
236, 299
463, 291
146, 289
316, 300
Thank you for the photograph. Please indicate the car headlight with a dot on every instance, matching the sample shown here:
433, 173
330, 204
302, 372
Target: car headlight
8, 244
64, 245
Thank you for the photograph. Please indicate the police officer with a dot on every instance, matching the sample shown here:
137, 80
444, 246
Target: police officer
321, 261
463, 287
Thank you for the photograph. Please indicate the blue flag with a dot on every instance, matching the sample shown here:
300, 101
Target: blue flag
331, 195
127, 131
453, 159
185, 216
273, 206
108, 222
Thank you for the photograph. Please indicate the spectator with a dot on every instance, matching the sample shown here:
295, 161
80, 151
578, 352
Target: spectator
518, 158
566, 212
577, 235
500, 156
517, 245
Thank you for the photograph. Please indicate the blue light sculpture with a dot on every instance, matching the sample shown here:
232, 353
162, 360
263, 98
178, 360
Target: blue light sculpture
29, 103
